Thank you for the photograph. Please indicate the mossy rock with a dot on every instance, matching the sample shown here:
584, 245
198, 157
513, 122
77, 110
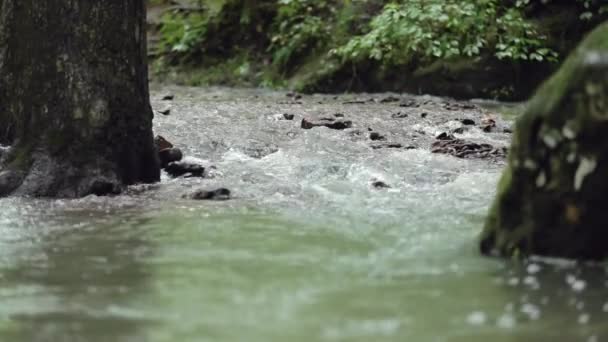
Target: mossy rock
552, 198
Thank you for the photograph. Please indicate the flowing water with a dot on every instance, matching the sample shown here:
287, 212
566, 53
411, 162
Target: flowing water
306, 250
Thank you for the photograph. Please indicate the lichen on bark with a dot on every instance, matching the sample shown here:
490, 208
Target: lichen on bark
552, 197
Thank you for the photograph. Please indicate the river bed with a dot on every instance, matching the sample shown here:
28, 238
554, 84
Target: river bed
308, 249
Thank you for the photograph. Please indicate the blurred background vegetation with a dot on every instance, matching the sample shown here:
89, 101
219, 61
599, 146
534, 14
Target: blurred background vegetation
462, 48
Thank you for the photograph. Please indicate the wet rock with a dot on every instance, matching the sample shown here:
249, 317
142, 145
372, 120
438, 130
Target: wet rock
169, 155
459, 130
380, 184
445, 136
355, 133
187, 167
399, 115
289, 117
290, 102
488, 123
391, 145
221, 194
468, 122
389, 99
460, 148
326, 122
161, 143
4, 150
164, 111
260, 151
458, 106
409, 103
376, 136
361, 101
168, 97
294, 95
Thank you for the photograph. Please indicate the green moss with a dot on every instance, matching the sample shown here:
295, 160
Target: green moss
561, 139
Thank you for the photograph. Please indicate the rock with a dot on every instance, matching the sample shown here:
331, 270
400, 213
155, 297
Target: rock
466, 149
376, 136
399, 115
389, 99
221, 194
287, 116
294, 95
468, 122
169, 155
424, 115
161, 143
409, 103
391, 145
4, 150
488, 123
380, 185
445, 136
458, 106
168, 97
188, 167
165, 111
552, 197
459, 130
327, 122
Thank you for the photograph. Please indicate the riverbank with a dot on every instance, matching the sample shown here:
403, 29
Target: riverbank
334, 46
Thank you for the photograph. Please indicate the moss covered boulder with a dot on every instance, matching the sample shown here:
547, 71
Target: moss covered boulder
553, 197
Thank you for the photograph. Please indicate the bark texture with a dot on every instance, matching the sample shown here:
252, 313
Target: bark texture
74, 99
553, 198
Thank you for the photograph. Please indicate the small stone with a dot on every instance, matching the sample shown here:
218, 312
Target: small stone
326, 122
380, 185
168, 97
389, 99
388, 145
409, 103
169, 155
445, 136
399, 115
187, 168
287, 116
165, 111
161, 143
467, 122
221, 194
424, 115
339, 115
376, 136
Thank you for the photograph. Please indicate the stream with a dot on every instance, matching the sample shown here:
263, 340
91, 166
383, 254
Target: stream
308, 248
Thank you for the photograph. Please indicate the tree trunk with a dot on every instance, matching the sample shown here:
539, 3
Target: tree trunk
74, 98
553, 197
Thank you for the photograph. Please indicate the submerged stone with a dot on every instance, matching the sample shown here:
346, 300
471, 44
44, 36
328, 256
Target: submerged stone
326, 122
558, 207
169, 155
221, 194
188, 167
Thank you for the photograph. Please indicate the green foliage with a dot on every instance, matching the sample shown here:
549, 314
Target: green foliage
183, 32
299, 27
424, 31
